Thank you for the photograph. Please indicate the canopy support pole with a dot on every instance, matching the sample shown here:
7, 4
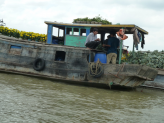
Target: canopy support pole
87, 31
133, 49
120, 54
72, 30
58, 32
79, 31
102, 37
49, 34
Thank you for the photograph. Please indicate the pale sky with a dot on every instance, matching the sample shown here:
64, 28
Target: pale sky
29, 15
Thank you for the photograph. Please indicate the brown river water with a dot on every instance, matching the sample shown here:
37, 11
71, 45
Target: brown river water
26, 99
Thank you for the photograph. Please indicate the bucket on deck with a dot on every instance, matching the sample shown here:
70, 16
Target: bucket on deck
101, 56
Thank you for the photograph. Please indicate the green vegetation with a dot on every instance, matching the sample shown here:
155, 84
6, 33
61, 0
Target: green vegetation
100, 47
153, 59
96, 19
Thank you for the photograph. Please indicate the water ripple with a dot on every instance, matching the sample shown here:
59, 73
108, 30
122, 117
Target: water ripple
26, 99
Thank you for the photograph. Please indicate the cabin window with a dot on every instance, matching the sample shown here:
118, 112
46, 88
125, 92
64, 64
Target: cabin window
57, 32
61, 33
60, 56
15, 50
75, 31
57, 36
99, 36
15, 47
106, 36
69, 31
83, 32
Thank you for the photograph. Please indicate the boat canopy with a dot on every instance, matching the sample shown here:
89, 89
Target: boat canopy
73, 33
101, 27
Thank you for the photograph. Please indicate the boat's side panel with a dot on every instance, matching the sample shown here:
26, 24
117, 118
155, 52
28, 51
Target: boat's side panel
72, 68
77, 41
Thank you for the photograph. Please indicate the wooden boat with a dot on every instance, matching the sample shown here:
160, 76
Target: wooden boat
71, 62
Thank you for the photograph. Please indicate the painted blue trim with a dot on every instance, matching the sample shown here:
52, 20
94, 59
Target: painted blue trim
87, 32
15, 47
49, 34
65, 30
22, 45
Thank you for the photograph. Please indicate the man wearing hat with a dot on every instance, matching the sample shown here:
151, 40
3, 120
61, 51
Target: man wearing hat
124, 53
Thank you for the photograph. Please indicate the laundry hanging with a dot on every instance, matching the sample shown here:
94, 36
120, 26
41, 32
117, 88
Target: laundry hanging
135, 37
139, 36
143, 40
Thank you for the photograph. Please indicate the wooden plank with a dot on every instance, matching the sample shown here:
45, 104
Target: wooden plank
160, 72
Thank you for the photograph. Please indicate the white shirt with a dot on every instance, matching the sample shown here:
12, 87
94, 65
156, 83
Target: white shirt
91, 37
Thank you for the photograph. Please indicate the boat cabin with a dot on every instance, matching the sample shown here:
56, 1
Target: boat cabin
75, 34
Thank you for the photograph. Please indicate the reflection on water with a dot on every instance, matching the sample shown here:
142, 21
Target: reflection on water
26, 99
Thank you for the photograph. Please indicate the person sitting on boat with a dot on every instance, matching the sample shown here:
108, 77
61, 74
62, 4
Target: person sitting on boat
92, 41
113, 44
125, 53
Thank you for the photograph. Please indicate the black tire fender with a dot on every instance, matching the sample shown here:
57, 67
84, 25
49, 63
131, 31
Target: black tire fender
41, 63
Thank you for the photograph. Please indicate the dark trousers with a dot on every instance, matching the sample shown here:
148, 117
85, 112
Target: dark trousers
92, 44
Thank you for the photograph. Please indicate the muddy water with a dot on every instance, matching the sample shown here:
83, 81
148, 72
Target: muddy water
26, 99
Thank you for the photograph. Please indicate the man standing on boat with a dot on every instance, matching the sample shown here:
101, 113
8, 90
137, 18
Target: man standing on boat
113, 44
92, 41
106, 42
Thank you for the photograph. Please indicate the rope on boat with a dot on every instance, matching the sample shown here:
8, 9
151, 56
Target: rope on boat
96, 69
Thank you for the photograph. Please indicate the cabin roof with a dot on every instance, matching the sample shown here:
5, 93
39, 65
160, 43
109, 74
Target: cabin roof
101, 27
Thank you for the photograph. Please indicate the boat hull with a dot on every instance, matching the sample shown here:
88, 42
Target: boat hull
18, 56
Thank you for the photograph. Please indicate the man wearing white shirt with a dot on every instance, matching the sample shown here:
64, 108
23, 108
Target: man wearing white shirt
92, 41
